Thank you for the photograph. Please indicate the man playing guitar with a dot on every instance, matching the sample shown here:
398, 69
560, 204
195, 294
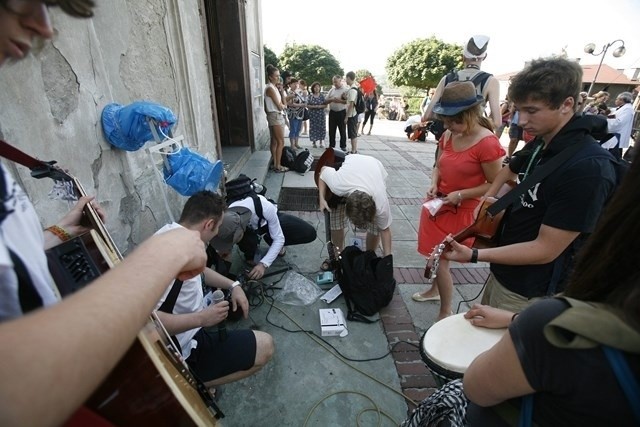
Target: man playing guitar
67, 347
542, 230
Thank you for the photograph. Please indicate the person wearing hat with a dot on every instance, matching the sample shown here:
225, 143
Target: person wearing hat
252, 218
469, 158
214, 360
473, 53
544, 228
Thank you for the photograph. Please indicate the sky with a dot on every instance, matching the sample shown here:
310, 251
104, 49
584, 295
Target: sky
362, 34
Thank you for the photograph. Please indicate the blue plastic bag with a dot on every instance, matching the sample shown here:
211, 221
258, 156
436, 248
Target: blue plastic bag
127, 127
189, 172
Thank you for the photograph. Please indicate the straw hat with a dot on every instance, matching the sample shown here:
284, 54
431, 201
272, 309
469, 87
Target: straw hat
457, 97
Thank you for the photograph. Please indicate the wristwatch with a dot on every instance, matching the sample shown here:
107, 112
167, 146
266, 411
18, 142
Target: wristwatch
474, 255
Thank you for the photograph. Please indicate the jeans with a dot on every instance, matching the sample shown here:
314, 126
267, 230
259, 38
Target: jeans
336, 120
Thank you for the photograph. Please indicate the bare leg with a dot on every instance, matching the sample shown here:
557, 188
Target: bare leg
264, 352
354, 145
278, 132
444, 281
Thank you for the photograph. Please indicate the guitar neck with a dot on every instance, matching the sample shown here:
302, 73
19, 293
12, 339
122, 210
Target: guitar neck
95, 223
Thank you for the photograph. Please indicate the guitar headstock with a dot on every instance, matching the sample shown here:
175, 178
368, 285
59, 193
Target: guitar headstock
434, 260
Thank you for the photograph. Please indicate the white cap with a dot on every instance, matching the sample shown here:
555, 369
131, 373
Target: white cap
476, 47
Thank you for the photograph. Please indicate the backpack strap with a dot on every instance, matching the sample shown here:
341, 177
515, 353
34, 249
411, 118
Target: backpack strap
257, 205
172, 297
169, 303
480, 79
626, 379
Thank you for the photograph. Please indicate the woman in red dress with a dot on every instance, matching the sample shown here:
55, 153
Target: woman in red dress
469, 157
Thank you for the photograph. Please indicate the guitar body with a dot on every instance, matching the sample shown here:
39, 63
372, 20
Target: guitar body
484, 229
334, 159
150, 387
151, 384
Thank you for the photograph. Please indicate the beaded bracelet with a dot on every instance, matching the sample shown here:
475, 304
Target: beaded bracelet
60, 232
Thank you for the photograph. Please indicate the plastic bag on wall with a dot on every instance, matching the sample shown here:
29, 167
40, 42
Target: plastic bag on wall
126, 127
189, 172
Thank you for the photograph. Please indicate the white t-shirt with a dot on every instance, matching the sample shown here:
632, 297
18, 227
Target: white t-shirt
337, 93
190, 300
22, 233
622, 124
364, 173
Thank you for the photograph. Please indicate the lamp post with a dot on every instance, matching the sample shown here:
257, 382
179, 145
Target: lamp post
591, 47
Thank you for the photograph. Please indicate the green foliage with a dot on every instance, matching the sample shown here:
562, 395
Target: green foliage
270, 57
414, 105
311, 63
422, 63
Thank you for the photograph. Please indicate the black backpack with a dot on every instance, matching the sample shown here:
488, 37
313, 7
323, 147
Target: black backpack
479, 80
366, 281
359, 104
303, 161
288, 157
242, 187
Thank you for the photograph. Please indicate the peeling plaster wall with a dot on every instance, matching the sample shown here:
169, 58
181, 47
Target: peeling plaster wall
52, 101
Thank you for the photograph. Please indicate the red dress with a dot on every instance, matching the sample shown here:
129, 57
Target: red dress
458, 170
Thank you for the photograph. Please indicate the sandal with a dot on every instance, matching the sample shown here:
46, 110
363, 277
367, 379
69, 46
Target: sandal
314, 145
326, 265
283, 169
282, 252
321, 145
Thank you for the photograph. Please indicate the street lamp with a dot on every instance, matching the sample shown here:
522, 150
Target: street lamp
591, 47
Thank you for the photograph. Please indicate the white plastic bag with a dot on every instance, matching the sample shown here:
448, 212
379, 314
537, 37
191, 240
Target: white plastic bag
298, 290
433, 205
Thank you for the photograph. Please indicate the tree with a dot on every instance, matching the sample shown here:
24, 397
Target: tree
422, 63
311, 63
270, 57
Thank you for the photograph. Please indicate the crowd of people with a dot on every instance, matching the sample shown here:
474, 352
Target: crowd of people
555, 237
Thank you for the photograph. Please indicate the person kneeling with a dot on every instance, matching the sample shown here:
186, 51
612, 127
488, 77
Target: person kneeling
215, 359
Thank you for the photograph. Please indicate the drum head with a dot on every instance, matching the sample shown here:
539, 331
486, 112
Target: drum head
453, 343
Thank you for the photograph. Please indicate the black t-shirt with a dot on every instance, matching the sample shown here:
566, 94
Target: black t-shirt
573, 387
571, 198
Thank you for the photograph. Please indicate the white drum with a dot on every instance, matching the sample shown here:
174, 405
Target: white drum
450, 345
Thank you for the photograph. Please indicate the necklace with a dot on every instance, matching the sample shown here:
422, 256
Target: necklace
474, 66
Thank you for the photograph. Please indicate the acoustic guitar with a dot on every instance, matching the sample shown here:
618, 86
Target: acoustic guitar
484, 229
334, 159
152, 384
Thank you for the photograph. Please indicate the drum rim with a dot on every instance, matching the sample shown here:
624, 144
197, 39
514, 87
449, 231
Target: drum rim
434, 367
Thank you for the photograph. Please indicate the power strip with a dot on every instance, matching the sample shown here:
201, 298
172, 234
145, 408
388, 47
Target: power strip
332, 294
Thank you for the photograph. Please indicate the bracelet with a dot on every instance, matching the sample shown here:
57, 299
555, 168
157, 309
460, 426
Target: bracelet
59, 232
234, 285
459, 198
474, 255
514, 317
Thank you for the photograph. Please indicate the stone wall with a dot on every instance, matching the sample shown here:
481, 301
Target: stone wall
131, 50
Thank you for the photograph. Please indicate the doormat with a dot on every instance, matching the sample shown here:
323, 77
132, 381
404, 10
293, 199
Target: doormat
298, 199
